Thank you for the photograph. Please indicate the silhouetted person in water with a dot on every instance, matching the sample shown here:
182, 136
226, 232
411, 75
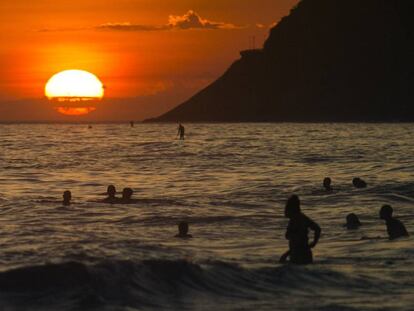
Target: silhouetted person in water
327, 184
352, 222
67, 196
181, 131
395, 227
127, 195
300, 250
359, 183
111, 191
183, 230
131, 123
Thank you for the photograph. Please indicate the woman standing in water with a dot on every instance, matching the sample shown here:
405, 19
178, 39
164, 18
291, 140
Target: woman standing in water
300, 250
181, 131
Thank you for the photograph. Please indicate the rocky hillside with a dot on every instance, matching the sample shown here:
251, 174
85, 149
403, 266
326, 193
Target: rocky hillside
342, 60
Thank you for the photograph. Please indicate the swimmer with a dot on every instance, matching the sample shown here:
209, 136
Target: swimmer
111, 191
352, 222
183, 231
395, 227
67, 196
127, 195
327, 184
181, 131
300, 250
359, 183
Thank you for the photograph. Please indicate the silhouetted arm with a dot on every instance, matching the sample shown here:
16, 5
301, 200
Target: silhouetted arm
283, 258
317, 232
404, 230
396, 229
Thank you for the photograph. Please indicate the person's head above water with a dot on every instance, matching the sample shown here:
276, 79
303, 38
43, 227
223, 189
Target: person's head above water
395, 228
127, 193
327, 183
111, 191
183, 230
359, 183
67, 196
292, 207
352, 221
386, 212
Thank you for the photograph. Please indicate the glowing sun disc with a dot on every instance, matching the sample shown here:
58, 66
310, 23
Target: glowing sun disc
74, 85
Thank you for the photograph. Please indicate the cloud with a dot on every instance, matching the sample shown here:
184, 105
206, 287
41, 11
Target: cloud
129, 27
273, 24
191, 20
60, 29
265, 26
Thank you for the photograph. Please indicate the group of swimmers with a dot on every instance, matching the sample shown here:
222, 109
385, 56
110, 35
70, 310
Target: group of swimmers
300, 250
357, 182
126, 197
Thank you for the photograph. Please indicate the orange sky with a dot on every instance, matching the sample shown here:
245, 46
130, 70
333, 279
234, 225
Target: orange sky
140, 53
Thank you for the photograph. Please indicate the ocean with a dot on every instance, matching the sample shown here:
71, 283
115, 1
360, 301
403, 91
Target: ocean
230, 182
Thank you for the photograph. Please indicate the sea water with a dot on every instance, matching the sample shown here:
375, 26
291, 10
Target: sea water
230, 182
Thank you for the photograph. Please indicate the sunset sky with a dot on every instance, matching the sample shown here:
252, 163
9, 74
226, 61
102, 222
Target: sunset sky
149, 54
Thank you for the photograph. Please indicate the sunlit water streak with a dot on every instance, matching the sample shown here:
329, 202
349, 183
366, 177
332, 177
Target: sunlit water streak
230, 181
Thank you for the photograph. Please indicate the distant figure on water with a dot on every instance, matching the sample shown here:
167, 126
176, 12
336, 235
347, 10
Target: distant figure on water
352, 222
111, 191
127, 195
181, 131
67, 196
131, 123
395, 227
359, 183
327, 184
300, 250
183, 230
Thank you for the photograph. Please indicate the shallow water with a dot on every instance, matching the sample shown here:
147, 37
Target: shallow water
230, 181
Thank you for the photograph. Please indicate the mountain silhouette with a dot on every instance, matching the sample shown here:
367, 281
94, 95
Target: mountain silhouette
342, 60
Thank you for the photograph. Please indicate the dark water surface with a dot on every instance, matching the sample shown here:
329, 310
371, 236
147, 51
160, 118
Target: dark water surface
230, 181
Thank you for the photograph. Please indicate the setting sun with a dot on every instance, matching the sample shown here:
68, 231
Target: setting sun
74, 85
74, 92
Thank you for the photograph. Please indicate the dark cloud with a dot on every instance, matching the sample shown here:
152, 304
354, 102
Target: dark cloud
129, 27
191, 20
61, 29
